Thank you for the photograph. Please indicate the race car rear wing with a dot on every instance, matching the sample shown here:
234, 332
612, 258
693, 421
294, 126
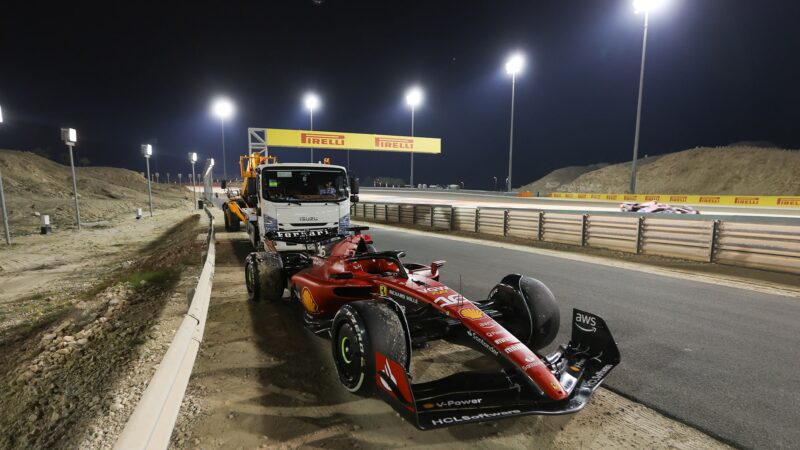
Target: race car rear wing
464, 397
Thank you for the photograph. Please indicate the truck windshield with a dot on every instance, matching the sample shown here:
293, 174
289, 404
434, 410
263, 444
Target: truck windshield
304, 185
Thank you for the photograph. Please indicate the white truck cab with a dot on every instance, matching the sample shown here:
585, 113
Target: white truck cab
302, 202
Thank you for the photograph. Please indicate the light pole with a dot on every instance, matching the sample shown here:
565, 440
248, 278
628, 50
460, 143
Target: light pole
414, 98
640, 6
312, 102
147, 151
193, 160
513, 66
3, 199
223, 108
70, 137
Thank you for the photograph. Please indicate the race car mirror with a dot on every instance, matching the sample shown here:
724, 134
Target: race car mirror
353, 199
435, 266
354, 186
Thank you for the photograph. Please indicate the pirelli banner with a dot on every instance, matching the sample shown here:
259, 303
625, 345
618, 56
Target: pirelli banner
335, 140
785, 201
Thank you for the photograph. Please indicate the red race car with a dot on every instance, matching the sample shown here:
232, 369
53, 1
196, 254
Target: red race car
376, 309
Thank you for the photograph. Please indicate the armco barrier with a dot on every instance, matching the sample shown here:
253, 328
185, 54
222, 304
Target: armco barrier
760, 246
151, 424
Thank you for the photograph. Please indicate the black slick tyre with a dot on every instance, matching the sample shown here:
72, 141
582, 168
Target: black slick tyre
263, 277
529, 310
359, 330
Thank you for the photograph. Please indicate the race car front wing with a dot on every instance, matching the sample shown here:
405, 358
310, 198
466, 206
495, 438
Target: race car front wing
581, 367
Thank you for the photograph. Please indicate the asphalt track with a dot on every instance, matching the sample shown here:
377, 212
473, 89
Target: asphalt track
718, 358
487, 199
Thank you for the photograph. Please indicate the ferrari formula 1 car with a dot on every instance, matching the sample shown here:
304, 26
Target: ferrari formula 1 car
376, 309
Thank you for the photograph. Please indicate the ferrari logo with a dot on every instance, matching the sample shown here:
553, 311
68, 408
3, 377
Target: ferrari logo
384, 291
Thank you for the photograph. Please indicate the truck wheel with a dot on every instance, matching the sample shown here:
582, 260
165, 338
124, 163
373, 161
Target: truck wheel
231, 221
359, 330
263, 273
529, 309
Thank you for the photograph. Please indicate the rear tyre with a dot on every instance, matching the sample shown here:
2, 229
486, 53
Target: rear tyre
529, 309
264, 278
359, 330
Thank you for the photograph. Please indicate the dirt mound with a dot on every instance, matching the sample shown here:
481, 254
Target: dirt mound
733, 170
555, 179
35, 184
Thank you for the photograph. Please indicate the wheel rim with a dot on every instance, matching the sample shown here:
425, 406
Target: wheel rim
348, 356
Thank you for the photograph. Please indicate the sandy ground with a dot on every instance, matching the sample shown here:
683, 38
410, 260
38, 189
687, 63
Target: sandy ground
37, 271
268, 383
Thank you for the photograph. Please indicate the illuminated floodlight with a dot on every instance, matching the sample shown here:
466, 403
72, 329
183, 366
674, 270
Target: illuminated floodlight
192, 157
222, 108
414, 96
211, 162
646, 6
515, 63
69, 136
311, 101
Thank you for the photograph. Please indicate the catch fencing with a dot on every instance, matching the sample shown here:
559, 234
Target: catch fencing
753, 245
151, 424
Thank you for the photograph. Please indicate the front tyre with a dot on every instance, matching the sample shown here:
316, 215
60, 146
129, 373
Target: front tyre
359, 330
529, 310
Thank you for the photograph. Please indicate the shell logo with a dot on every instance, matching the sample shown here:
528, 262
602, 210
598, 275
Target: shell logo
471, 313
428, 405
308, 301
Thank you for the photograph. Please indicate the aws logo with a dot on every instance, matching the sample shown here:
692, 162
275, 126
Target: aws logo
586, 322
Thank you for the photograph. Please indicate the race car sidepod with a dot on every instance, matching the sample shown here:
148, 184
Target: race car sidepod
467, 397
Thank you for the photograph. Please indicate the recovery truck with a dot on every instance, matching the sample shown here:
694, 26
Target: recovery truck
289, 210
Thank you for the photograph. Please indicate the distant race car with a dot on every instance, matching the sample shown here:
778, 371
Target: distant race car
655, 207
376, 309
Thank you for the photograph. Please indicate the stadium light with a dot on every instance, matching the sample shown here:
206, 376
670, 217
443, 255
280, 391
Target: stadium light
147, 151
640, 6
645, 6
223, 108
514, 65
414, 97
70, 137
312, 102
193, 160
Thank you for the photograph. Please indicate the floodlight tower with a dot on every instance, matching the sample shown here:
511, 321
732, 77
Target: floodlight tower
641, 6
223, 108
312, 102
193, 160
147, 151
514, 65
70, 137
414, 97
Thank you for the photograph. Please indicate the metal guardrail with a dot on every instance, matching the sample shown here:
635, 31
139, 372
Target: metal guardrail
151, 424
754, 245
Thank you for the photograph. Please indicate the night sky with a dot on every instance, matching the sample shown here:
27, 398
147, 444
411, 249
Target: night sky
127, 73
